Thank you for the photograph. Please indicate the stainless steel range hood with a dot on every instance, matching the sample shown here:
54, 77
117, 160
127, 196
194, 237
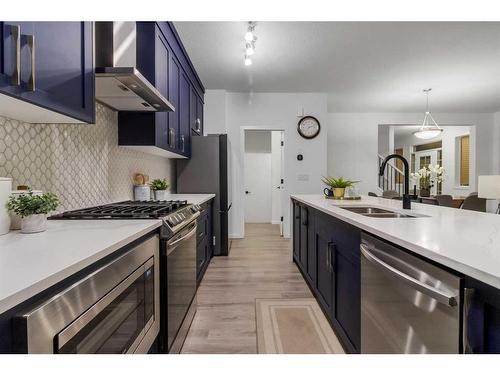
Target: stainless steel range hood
119, 84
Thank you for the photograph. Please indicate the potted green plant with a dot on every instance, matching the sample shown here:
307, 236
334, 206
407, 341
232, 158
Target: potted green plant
159, 187
336, 186
33, 210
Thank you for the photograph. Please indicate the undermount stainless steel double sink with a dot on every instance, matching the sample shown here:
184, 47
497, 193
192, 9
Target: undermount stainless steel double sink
377, 212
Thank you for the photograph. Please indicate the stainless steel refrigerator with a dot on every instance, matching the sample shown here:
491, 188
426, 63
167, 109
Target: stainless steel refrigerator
207, 171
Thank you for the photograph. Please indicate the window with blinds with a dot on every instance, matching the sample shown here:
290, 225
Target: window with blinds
464, 160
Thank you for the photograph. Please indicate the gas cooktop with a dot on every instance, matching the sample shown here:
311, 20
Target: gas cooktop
125, 210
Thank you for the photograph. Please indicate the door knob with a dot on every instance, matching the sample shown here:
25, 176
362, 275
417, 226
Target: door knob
247, 192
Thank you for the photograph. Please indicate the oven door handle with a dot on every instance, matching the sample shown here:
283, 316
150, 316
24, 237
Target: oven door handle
438, 294
188, 235
69, 332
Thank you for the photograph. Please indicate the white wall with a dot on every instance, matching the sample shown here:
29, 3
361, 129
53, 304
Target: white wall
276, 111
353, 142
214, 112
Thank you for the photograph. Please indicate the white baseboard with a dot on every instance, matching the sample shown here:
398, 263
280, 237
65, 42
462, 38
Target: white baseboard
276, 222
235, 235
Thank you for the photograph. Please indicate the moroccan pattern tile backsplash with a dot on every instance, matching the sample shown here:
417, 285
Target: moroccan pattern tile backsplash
81, 163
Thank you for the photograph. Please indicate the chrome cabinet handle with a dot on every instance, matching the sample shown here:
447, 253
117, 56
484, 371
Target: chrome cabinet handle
439, 295
198, 124
30, 39
182, 143
16, 75
171, 137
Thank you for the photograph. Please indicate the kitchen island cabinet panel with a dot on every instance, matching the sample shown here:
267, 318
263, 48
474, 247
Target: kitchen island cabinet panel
327, 252
483, 318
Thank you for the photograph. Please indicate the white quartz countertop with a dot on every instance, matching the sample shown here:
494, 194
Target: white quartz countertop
31, 263
466, 241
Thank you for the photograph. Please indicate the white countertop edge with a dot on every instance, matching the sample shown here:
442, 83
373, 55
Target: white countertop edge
43, 284
443, 260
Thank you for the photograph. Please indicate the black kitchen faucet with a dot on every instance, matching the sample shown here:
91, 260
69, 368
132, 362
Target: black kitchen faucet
406, 191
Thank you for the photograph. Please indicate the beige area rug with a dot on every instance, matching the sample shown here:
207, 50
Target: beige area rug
294, 326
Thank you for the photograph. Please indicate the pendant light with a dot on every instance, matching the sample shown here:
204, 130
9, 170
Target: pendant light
429, 129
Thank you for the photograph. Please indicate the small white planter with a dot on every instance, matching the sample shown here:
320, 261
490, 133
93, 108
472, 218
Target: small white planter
142, 193
160, 195
34, 223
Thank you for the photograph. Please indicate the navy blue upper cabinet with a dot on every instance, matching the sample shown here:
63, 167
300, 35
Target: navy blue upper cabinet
184, 115
163, 61
49, 65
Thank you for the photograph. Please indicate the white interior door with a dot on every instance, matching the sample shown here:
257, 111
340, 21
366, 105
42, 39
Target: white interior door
258, 199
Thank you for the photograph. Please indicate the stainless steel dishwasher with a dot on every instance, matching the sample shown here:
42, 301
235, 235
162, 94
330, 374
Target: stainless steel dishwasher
407, 304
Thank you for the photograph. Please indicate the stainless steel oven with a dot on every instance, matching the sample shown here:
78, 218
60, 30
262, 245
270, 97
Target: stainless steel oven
180, 282
115, 309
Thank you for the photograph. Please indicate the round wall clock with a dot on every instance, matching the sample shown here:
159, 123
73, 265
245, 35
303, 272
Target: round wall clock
308, 127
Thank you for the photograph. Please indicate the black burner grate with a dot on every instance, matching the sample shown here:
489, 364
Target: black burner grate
125, 210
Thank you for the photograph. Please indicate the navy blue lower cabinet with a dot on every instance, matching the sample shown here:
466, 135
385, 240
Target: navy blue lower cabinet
331, 265
482, 318
304, 225
296, 231
204, 241
50, 65
346, 265
323, 242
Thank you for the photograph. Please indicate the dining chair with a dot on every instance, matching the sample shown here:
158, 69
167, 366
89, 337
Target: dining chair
371, 194
474, 203
444, 200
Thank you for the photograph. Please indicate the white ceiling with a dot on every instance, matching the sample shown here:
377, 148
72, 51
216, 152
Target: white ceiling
363, 66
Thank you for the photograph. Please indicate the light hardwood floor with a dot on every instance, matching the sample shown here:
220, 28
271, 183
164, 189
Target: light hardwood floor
258, 266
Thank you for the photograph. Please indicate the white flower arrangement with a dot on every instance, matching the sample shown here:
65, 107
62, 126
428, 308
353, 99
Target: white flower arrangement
428, 176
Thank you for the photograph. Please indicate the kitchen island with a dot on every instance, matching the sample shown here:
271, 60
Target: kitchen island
326, 247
